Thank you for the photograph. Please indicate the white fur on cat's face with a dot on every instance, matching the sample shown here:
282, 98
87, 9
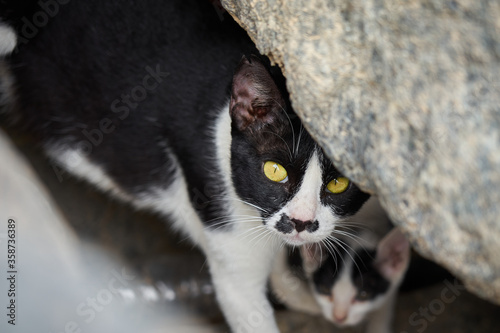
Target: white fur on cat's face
306, 206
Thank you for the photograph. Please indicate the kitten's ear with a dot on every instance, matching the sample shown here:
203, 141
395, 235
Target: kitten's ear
256, 101
311, 257
393, 255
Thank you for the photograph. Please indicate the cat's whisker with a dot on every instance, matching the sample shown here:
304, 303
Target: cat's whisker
251, 230
298, 140
232, 219
266, 237
283, 244
279, 136
352, 224
271, 236
347, 231
260, 236
333, 251
226, 197
247, 203
320, 254
362, 246
352, 236
340, 242
350, 230
229, 220
225, 224
244, 235
257, 230
184, 239
253, 237
358, 239
289, 121
327, 245
359, 226
321, 250
233, 215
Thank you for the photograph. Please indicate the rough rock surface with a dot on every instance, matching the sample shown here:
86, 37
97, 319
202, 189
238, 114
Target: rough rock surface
404, 96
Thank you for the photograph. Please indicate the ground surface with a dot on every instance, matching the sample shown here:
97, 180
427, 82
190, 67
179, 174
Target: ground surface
178, 273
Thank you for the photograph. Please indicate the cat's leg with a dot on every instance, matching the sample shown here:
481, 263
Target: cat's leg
239, 254
240, 263
380, 321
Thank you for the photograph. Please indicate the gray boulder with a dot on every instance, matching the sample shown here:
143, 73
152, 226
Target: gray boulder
404, 96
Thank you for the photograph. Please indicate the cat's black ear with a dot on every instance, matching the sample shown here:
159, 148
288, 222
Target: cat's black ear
256, 100
393, 255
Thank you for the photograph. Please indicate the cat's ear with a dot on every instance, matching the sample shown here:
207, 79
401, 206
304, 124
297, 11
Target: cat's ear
311, 257
256, 100
393, 255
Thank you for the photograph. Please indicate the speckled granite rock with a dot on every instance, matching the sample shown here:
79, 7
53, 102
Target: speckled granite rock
404, 96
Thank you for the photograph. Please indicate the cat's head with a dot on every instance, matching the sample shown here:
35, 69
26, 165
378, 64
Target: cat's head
277, 166
350, 288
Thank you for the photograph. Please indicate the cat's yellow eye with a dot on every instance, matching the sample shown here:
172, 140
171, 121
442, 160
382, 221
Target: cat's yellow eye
338, 185
275, 171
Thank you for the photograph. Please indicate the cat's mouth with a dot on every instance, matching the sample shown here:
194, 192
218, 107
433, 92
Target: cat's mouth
296, 240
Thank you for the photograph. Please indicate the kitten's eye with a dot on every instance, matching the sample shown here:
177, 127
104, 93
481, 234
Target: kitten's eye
338, 185
275, 171
363, 296
324, 290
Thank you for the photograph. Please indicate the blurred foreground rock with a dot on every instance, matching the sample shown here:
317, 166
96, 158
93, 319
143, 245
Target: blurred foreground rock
404, 96
55, 282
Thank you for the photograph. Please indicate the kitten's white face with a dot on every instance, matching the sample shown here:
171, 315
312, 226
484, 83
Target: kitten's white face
345, 305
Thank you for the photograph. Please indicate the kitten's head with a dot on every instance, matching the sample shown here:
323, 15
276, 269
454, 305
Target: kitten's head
277, 166
350, 288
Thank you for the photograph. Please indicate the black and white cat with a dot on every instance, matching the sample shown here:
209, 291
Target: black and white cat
152, 102
352, 280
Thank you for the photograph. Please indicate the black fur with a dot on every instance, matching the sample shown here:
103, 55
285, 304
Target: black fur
366, 278
325, 276
284, 225
84, 64
135, 83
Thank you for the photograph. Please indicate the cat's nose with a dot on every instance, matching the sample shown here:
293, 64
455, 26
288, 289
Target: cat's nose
300, 225
340, 317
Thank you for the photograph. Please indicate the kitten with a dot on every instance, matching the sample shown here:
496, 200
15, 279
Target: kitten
352, 281
152, 102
